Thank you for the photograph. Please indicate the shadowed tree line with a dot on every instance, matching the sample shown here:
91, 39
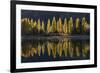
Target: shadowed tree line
69, 26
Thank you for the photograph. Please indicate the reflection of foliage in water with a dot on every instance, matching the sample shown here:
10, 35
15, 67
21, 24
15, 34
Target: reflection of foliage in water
55, 48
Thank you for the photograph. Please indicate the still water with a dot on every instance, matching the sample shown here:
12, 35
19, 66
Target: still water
54, 49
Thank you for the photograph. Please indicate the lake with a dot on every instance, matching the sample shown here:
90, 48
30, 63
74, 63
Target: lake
56, 48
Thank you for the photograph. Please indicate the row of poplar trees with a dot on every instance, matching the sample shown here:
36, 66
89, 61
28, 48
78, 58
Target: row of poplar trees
54, 26
64, 48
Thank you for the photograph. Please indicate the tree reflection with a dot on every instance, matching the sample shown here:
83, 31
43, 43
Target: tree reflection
56, 48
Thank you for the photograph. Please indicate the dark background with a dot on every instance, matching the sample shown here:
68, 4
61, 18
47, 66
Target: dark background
44, 15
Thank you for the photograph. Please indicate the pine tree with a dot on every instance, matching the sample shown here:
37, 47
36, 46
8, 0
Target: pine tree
54, 27
48, 26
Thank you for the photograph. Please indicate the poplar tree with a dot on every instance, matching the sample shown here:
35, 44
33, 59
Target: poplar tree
31, 23
77, 25
57, 26
28, 26
42, 27
35, 25
84, 24
48, 26
54, 27
38, 25
60, 25
65, 26
70, 23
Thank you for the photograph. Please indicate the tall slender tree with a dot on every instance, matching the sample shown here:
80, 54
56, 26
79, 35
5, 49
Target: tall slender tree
48, 26
70, 24
31, 21
42, 27
38, 25
65, 26
35, 25
84, 24
77, 25
60, 25
54, 27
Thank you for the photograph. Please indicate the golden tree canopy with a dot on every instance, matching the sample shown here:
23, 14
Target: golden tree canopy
54, 27
38, 25
65, 26
77, 22
60, 25
48, 26
43, 28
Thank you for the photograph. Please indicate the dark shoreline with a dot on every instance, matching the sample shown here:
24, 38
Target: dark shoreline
79, 37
